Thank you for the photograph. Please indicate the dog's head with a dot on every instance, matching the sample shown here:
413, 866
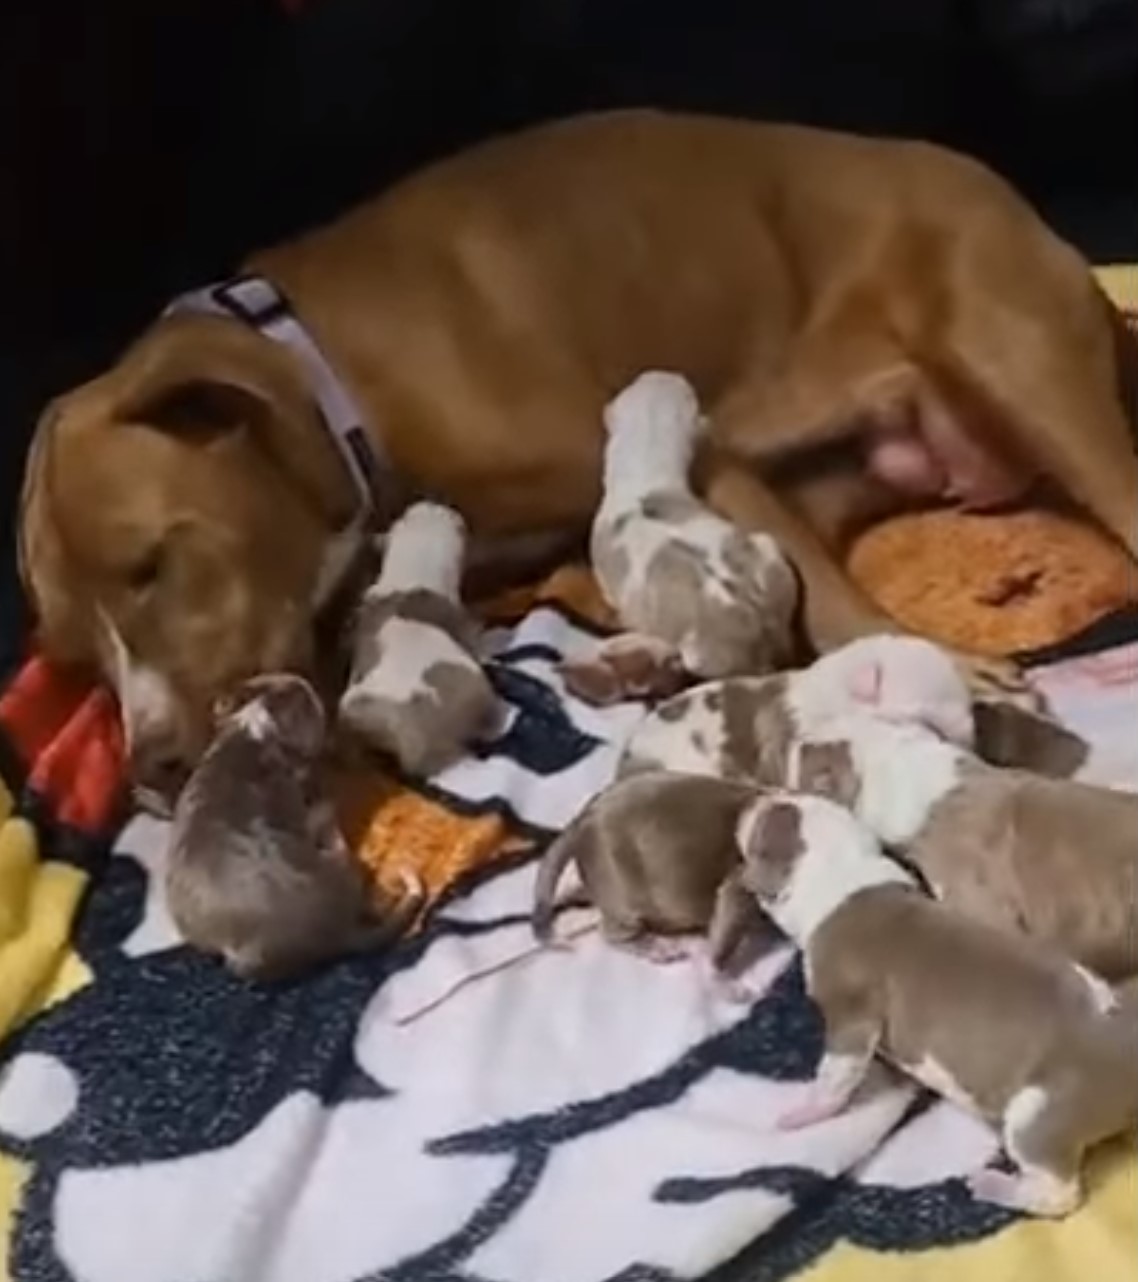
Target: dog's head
174, 520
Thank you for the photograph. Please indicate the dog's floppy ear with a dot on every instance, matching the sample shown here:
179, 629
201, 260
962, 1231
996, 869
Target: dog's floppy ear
1007, 735
63, 614
204, 376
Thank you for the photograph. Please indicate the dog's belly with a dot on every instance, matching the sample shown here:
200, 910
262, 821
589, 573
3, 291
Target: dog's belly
486, 310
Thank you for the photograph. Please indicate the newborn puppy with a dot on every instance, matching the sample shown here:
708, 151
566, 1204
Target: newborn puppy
742, 728
653, 853
698, 593
258, 870
998, 1024
1052, 858
417, 689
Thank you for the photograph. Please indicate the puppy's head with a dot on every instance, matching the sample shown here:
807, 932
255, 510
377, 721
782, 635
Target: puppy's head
280, 706
898, 678
174, 516
772, 842
805, 856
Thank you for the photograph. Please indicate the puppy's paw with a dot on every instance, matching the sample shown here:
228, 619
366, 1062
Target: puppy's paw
1036, 1193
737, 991
592, 680
646, 667
664, 950
816, 1106
1001, 680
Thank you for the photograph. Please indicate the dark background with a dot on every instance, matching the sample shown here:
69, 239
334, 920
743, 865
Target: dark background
144, 147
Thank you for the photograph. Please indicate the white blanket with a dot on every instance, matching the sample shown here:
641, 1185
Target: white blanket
472, 1107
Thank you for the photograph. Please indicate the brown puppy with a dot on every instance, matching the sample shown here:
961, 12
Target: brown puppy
998, 1024
891, 302
654, 852
1052, 858
258, 870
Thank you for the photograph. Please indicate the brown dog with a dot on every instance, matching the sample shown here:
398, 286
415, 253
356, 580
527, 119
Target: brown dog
895, 303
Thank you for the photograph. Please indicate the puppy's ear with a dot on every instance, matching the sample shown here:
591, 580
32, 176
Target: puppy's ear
205, 377
773, 847
299, 716
65, 619
863, 684
1010, 736
827, 770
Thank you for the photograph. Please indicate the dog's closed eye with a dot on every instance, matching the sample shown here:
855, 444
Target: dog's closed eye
146, 571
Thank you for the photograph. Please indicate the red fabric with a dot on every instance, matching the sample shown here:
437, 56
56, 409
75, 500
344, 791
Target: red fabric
66, 733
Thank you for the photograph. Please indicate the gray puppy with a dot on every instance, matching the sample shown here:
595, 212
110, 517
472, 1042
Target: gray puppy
654, 852
258, 870
1004, 1027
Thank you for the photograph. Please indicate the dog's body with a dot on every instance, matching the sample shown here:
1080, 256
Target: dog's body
891, 301
653, 854
743, 728
1055, 859
701, 595
998, 1024
258, 871
417, 688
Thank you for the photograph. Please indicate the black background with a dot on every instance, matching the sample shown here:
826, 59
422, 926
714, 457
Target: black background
145, 147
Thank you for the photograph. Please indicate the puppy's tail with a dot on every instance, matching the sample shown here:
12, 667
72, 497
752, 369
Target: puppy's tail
556, 857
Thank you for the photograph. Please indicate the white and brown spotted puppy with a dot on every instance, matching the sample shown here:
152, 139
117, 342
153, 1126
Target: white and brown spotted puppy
653, 853
417, 689
742, 728
258, 871
998, 1024
1052, 858
698, 593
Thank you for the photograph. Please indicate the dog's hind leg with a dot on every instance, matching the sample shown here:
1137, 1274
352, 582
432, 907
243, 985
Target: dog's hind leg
1040, 344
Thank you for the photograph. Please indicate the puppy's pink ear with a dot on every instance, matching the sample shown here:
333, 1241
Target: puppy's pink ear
864, 683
